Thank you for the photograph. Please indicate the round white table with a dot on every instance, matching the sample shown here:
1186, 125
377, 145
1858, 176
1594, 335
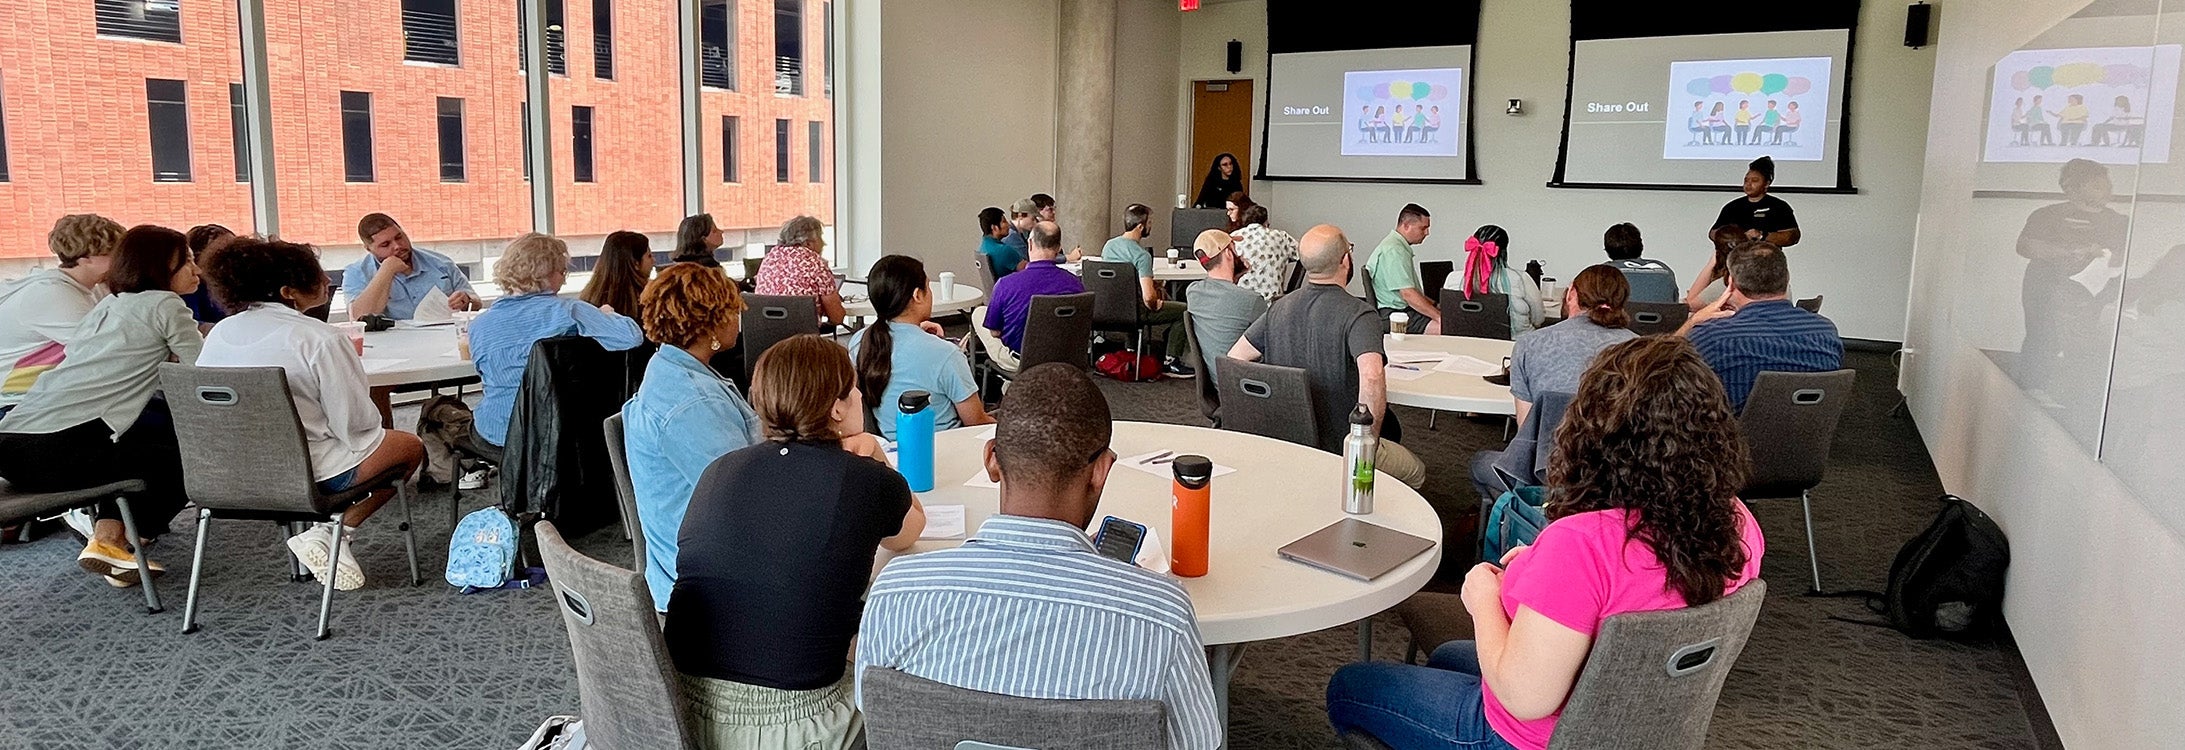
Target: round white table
1280, 493
1448, 391
414, 356
963, 298
1163, 271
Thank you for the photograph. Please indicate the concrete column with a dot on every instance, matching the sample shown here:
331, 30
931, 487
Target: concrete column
1085, 129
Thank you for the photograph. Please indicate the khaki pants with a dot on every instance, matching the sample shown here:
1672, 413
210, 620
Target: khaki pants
734, 716
1397, 461
996, 351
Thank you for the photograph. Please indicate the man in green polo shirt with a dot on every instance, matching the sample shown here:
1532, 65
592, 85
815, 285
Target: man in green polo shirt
1129, 248
1395, 275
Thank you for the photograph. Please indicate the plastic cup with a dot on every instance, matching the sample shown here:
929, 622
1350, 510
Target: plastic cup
355, 331
1399, 324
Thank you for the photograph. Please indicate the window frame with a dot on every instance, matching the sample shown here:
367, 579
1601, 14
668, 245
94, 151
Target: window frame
783, 169
789, 69
582, 121
461, 162
239, 131
603, 40
731, 163
113, 29
557, 38
454, 51
351, 151
176, 112
815, 151
725, 77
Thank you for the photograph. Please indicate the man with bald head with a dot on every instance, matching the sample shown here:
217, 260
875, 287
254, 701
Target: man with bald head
1336, 339
1002, 327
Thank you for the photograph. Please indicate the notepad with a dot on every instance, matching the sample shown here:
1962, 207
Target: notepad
1468, 365
943, 522
1408, 357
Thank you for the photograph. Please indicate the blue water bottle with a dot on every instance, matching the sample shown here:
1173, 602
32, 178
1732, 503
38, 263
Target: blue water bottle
914, 440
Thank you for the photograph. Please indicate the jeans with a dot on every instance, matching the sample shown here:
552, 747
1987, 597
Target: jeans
1439, 705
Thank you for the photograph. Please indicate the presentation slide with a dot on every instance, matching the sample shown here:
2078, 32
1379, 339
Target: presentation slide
1378, 114
1693, 110
2112, 105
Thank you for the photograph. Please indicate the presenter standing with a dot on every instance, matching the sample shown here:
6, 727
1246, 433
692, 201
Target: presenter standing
1763, 216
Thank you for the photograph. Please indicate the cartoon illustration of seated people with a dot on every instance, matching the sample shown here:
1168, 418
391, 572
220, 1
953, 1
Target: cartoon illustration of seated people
1744, 121
1380, 124
1433, 124
2018, 122
1788, 127
1769, 119
1696, 124
1402, 126
2122, 128
2037, 124
1365, 123
2071, 120
1717, 125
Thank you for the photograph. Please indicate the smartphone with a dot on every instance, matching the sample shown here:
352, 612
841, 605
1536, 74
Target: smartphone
1119, 539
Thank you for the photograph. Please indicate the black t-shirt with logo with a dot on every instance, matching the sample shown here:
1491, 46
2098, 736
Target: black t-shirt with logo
1769, 214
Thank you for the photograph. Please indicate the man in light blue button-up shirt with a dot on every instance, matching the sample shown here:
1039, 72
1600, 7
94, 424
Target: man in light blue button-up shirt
393, 276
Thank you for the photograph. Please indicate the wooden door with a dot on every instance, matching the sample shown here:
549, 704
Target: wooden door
1221, 123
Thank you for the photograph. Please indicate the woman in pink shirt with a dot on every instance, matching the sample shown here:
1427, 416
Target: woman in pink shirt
794, 267
1649, 463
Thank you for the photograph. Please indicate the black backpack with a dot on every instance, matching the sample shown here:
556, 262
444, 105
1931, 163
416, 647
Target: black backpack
1947, 582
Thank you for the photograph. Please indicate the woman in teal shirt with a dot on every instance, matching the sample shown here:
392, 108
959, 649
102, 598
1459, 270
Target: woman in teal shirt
684, 415
907, 353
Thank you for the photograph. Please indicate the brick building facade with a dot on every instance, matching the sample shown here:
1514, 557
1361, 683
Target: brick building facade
78, 124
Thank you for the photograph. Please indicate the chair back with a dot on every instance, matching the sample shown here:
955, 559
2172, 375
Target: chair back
986, 270
1117, 298
1365, 276
628, 688
1267, 400
768, 319
1524, 463
905, 712
1058, 328
1811, 304
1789, 422
625, 491
1296, 279
1484, 316
1650, 318
1209, 392
1433, 274
246, 446
1652, 678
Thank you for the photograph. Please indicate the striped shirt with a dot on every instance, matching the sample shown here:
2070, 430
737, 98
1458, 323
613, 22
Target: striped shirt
1767, 335
1026, 607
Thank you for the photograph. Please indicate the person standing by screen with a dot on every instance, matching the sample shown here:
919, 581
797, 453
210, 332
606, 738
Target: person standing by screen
1223, 177
1764, 216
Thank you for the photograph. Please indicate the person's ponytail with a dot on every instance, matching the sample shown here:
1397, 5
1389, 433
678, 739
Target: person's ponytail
892, 284
1602, 293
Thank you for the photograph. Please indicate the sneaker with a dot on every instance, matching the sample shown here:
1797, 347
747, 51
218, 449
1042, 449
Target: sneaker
474, 480
348, 575
1176, 368
81, 521
102, 559
312, 547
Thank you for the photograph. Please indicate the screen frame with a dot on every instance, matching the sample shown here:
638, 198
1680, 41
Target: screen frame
1466, 28
1591, 20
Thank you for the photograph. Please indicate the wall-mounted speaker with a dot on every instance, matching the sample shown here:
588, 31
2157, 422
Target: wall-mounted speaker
1236, 56
1919, 25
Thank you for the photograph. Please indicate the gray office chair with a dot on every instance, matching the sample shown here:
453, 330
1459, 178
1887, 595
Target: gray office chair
1485, 316
1268, 401
1651, 318
904, 712
630, 695
1209, 392
986, 270
1789, 423
769, 319
1652, 678
1811, 304
17, 506
618, 457
1057, 328
1118, 303
247, 459
1365, 276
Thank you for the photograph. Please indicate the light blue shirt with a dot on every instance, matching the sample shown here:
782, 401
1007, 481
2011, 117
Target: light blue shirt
501, 339
1027, 608
1127, 250
921, 361
683, 417
428, 271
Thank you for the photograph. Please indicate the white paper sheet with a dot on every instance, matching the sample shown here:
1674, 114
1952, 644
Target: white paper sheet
1165, 469
1152, 554
979, 480
943, 522
1468, 365
1406, 373
2097, 274
433, 308
381, 364
1408, 357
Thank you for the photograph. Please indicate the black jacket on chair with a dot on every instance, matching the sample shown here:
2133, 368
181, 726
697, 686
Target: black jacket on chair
556, 463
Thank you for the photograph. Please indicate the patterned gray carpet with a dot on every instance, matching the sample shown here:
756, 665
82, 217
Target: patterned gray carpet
427, 668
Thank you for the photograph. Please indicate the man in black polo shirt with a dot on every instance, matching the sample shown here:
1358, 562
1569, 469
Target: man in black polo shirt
1764, 216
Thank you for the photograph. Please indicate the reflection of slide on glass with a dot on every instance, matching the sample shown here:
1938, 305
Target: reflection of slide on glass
1401, 112
2108, 104
1736, 110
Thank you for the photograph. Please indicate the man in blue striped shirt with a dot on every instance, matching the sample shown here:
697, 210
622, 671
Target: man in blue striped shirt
1754, 328
1026, 607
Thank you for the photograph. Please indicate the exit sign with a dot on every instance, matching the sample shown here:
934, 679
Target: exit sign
1187, 5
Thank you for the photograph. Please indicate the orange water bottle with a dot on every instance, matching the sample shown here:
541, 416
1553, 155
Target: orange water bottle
1193, 492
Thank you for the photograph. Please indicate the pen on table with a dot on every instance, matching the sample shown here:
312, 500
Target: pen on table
1405, 367
1154, 458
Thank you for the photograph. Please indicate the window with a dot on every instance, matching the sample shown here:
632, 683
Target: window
428, 32
728, 149
557, 55
717, 44
3, 137
356, 136
452, 164
580, 142
237, 125
603, 39
525, 157
827, 16
789, 47
781, 150
155, 20
814, 154
167, 104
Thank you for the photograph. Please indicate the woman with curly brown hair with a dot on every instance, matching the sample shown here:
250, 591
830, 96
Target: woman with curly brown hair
1643, 516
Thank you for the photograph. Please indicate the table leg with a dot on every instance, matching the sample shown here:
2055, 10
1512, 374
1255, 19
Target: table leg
1221, 665
1365, 639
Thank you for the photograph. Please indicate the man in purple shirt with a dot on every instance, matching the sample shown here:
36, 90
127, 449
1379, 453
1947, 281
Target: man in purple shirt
1003, 328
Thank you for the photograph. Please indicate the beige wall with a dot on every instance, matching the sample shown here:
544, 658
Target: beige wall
1146, 111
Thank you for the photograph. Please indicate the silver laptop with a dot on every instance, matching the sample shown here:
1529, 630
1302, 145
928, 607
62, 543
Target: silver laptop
1355, 549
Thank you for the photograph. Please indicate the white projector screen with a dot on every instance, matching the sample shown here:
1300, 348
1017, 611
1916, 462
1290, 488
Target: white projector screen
1691, 111
1372, 114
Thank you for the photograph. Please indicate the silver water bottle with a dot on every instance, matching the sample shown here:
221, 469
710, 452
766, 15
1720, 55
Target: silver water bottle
1358, 455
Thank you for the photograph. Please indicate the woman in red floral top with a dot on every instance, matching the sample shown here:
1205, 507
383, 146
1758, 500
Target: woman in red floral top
794, 268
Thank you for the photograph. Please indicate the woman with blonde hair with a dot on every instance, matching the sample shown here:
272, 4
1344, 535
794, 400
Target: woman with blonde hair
776, 552
795, 268
39, 312
685, 414
531, 272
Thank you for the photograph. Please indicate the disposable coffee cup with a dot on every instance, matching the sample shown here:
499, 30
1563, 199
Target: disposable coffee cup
1399, 324
948, 286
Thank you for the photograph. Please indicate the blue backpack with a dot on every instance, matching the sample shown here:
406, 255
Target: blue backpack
1515, 521
482, 553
